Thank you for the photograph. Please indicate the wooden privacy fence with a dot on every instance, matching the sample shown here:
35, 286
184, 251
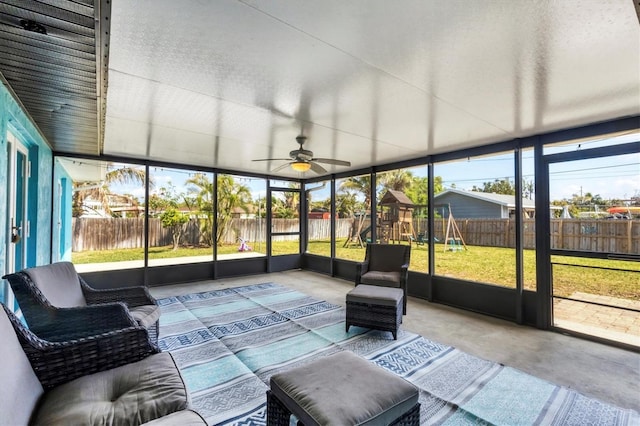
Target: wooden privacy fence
123, 233
598, 235
595, 235
604, 235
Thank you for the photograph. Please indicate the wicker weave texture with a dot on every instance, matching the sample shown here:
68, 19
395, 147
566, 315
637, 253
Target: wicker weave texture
410, 418
57, 362
107, 310
132, 296
279, 415
377, 317
366, 266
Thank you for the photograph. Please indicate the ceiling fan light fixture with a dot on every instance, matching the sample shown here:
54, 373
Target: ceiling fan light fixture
300, 166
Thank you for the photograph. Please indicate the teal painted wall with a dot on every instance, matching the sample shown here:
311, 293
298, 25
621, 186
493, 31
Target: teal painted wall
39, 186
63, 191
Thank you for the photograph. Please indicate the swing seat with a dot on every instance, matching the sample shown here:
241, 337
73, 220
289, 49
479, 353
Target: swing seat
455, 244
421, 239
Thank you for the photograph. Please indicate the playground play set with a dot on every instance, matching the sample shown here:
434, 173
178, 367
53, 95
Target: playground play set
395, 224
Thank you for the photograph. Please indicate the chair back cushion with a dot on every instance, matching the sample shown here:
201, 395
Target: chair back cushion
59, 283
21, 389
387, 257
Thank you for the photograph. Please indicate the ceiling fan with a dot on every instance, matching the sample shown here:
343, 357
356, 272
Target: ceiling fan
301, 160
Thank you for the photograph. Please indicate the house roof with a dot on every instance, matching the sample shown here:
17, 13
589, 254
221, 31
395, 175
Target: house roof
491, 197
240, 210
396, 197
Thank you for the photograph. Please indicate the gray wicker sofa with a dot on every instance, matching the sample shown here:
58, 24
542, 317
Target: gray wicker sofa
81, 382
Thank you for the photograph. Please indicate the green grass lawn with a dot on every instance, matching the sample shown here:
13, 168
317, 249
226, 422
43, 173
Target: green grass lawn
492, 265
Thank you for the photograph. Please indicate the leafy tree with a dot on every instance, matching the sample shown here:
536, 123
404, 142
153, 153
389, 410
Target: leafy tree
320, 205
417, 191
498, 186
165, 205
282, 209
438, 186
231, 195
292, 201
507, 186
174, 219
414, 187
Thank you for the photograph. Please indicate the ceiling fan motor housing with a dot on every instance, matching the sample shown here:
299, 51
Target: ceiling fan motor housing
303, 160
302, 154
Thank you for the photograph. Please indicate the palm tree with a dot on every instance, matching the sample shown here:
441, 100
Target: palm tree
101, 191
281, 208
396, 180
346, 204
361, 184
230, 196
201, 198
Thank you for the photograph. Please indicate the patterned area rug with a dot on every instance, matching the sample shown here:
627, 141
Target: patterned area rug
229, 342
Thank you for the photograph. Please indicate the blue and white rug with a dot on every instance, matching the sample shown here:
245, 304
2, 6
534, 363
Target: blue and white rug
229, 342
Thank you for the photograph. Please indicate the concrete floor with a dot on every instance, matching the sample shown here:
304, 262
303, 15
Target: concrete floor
609, 374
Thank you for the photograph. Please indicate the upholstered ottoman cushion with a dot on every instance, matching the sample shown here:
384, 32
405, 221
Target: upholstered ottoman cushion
375, 295
344, 389
128, 395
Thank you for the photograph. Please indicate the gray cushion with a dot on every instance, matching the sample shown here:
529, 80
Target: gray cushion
59, 283
181, 418
128, 395
387, 279
146, 315
21, 388
344, 389
375, 295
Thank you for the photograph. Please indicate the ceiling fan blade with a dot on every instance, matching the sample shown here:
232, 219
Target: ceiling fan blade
273, 159
277, 169
317, 167
332, 161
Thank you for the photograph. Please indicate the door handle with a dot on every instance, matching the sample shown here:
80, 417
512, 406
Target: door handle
15, 233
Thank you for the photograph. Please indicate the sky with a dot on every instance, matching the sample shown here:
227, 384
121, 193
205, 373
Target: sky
616, 177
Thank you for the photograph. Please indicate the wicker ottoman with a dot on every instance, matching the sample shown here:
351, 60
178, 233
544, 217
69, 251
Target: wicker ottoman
341, 389
375, 307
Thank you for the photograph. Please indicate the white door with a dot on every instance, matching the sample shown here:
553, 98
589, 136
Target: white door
18, 170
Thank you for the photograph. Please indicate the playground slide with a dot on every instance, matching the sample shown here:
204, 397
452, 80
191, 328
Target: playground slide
364, 232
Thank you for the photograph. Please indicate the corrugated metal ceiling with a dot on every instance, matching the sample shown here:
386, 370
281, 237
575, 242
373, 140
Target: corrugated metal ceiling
56, 75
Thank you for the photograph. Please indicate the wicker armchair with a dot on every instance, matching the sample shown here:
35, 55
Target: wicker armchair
117, 377
386, 265
42, 290
59, 358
